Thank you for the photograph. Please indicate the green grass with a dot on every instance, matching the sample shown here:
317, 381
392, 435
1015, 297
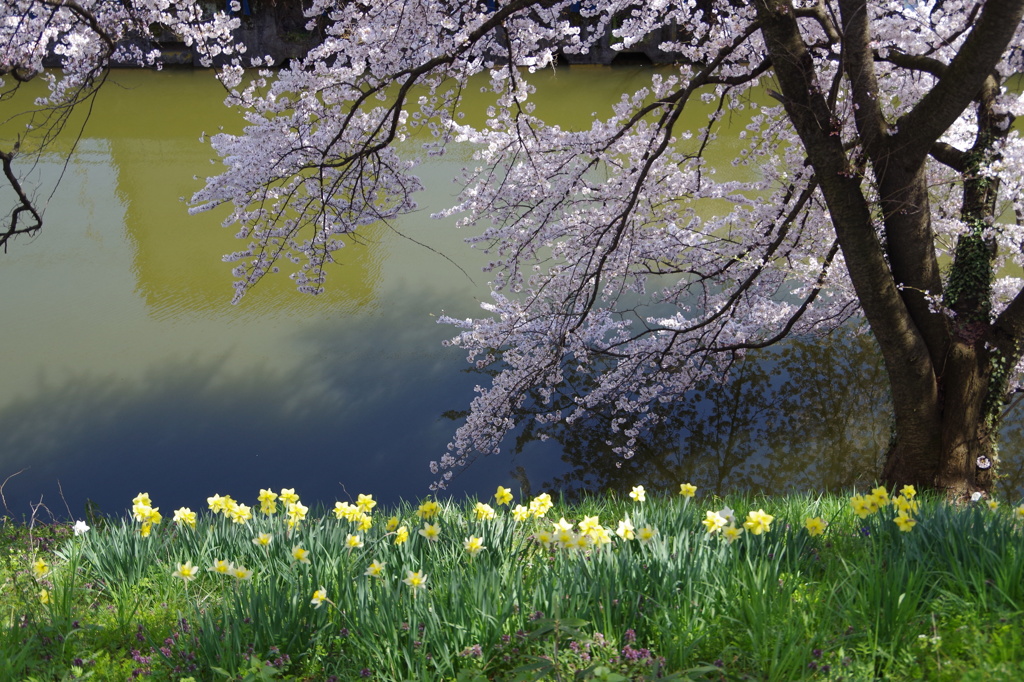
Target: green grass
862, 601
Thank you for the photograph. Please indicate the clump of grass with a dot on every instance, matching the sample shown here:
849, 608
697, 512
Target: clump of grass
872, 586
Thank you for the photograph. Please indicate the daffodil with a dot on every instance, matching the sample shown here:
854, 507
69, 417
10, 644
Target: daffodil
392, 524
625, 529
589, 523
365, 503
1019, 512
376, 569
144, 529
992, 504
905, 523
346, 510
599, 536
240, 513
474, 545
401, 535
758, 522
81, 527
39, 568
714, 522
319, 597
815, 526
565, 538
483, 512
730, 533
267, 500
142, 500
687, 490
263, 539
216, 503
904, 505
431, 531
520, 513
364, 522
299, 554
185, 517
583, 541
638, 493
221, 566
186, 571
297, 511
428, 509
544, 537
44, 596
503, 495
562, 524
646, 534
288, 496
353, 542
908, 491
861, 506
241, 573
540, 505
416, 580
728, 514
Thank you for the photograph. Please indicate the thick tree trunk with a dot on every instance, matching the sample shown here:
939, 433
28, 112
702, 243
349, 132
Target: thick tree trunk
959, 457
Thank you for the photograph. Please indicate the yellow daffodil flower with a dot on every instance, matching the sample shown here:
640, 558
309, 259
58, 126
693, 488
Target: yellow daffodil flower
758, 522
428, 509
730, 533
186, 571
1019, 512
288, 496
415, 580
562, 524
376, 569
401, 535
626, 530
217, 503
144, 529
905, 523
474, 545
319, 597
299, 554
714, 522
39, 568
392, 524
241, 573
638, 493
267, 500
599, 536
687, 490
240, 513
431, 531
221, 566
365, 503
540, 505
589, 523
908, 491
364, 522
815, 526
992, 504
353, 542
263, 539
520, 513
861, 507
503, 496
185, 517
44, 596
646, 534
544, 537
483, 512
565, 538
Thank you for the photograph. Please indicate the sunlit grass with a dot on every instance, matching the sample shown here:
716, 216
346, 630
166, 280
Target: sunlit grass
867, 586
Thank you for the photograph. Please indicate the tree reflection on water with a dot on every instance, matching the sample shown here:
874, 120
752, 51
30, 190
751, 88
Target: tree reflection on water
812, 414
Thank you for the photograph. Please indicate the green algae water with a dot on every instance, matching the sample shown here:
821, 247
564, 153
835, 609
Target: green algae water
127, 369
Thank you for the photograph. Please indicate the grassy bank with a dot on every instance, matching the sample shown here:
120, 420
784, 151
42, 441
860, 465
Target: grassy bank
782, 588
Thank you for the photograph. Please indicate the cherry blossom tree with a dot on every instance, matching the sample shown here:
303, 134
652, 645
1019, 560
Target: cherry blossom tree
885, 192
83, 37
